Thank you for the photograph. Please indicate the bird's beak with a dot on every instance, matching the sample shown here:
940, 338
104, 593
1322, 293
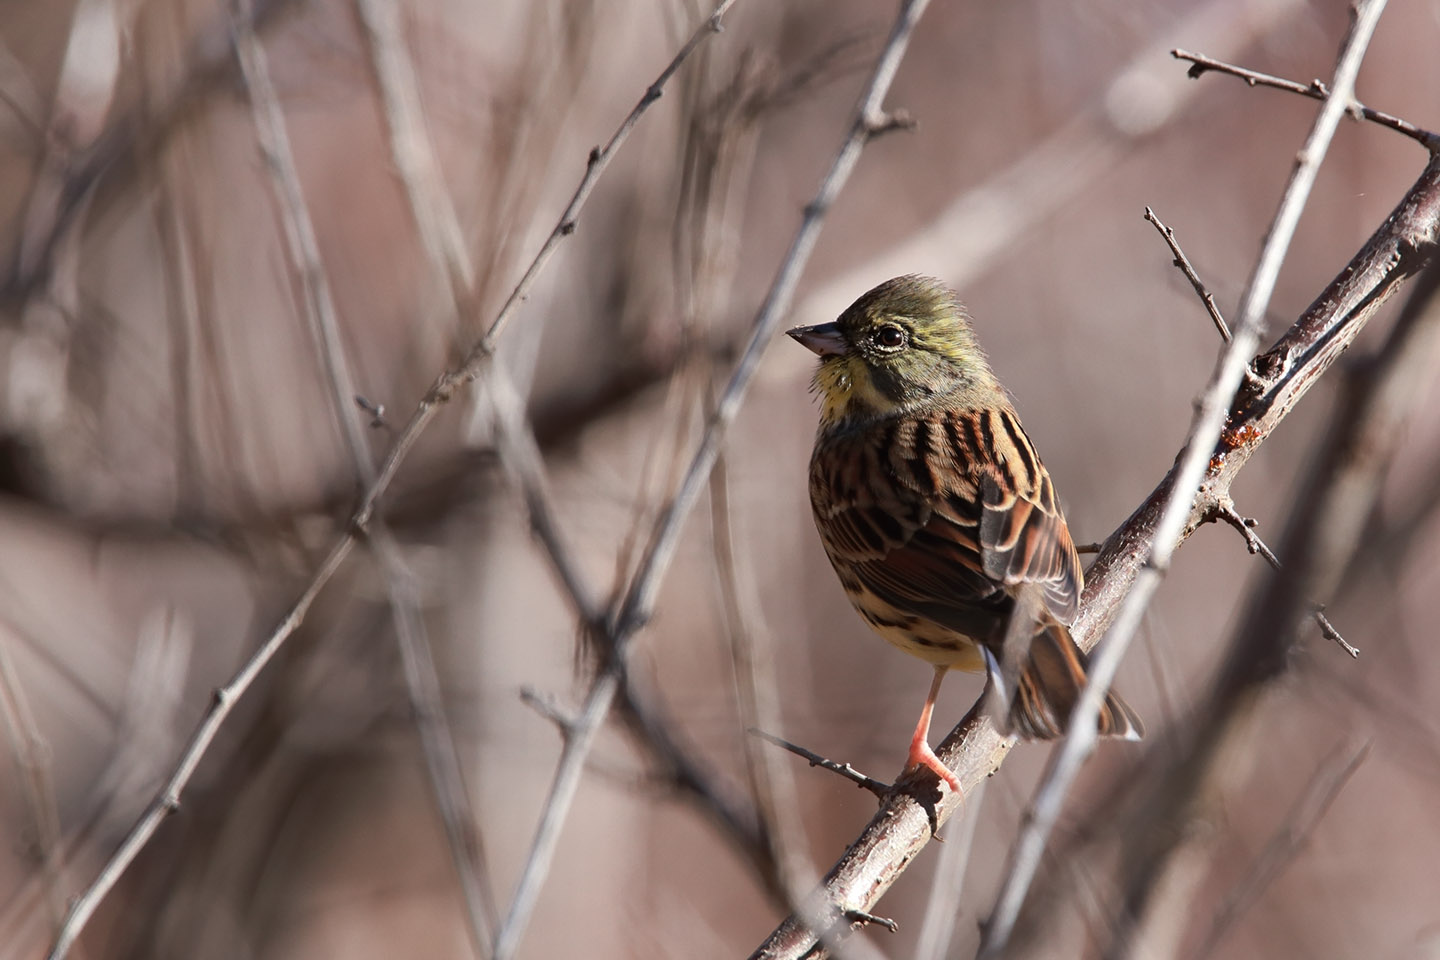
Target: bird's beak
824, 339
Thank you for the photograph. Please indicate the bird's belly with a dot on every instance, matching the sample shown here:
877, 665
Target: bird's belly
918, 636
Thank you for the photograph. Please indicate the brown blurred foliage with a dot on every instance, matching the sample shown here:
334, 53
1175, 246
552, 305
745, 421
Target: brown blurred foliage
171, 470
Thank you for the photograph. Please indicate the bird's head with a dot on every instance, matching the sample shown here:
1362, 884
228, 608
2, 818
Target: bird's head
902, 346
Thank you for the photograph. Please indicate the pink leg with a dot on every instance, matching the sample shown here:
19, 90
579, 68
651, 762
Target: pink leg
920, 753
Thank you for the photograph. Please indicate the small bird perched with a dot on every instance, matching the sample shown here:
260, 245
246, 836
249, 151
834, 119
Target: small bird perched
937, 513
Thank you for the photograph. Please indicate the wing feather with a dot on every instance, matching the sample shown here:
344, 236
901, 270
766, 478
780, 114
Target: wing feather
944, 516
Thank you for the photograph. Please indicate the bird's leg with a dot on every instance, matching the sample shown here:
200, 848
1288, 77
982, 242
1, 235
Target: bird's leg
920, 753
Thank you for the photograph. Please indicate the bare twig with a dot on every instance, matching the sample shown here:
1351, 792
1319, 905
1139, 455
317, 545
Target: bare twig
1328, 631
168, 801
634, 610
1183, 262
1201, 64
877, 787
1296, 828
864, 919
1189, 472
444, 387
1245, 526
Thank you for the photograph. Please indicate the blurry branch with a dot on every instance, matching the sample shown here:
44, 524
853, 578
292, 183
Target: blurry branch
18, 94
632, 611
1322, 536
1201, 64
435, 217
32, 757
422, 681
58, 197
444, 387
519, 449
1401, 246
1189, 472
942, 908
1225, 508
85, 90
1296, 828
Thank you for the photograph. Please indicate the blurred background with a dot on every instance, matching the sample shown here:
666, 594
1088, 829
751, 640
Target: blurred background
172, 471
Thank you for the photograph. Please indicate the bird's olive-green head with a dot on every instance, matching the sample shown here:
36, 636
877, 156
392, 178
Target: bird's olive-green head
904, 345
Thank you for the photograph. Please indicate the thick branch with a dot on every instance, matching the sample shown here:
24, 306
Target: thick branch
1324, 531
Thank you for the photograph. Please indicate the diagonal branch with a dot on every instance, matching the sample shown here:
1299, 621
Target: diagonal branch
1321, 538
1189, 473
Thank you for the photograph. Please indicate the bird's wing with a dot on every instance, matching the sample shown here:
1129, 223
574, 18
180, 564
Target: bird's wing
921, 514
1023, 535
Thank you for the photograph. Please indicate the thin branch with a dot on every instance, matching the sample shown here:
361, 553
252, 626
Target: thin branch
1245, 526
877, 787
168, 800
1296, 828
1183, 262
441, 391
634, 611
1328, 631
1189, 472
1201, 64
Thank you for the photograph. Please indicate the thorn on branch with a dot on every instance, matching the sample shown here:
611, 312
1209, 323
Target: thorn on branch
880, 123
1246, 526
865, 919
594, 157
881, 790
376, 411
550, 709
1094, 547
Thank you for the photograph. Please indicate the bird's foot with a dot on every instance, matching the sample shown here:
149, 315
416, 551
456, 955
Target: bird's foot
922, 756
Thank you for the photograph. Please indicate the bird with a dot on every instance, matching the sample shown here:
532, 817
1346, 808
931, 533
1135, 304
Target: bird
937, 514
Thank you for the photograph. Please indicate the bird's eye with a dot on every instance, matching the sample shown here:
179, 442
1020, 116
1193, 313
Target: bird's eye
890, 338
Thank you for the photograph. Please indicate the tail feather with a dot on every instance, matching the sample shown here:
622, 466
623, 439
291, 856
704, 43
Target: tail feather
1049, 684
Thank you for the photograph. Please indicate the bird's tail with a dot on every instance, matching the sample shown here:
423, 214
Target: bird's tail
1050, 682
